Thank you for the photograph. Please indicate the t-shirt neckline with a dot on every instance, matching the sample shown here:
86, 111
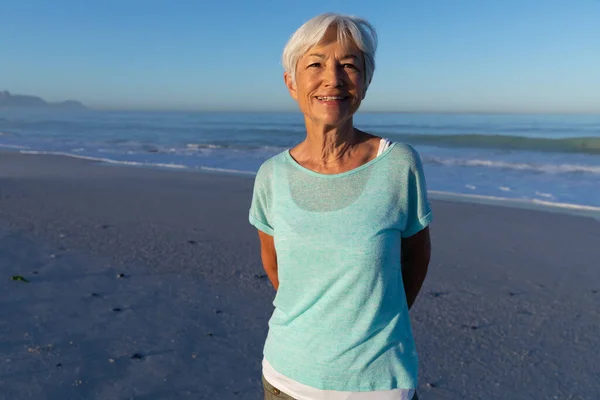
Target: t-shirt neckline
341, 174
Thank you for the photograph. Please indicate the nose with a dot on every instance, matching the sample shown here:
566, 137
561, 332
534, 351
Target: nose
334, 75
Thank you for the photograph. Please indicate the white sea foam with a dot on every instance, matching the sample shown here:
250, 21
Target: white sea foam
106, 160
196, 146
569, 206
547, 195
229, 171
135, 163
504, 188
472, 187
13, 146
545, 168
519, 203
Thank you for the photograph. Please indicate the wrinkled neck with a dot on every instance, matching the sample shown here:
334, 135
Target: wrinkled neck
330, 146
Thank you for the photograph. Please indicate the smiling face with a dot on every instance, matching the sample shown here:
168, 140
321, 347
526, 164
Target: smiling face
330, 81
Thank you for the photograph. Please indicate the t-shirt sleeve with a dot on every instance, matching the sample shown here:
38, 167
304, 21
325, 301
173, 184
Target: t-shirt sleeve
418, 209
262, 199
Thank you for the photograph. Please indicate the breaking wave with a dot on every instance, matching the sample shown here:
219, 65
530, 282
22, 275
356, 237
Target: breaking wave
587, 145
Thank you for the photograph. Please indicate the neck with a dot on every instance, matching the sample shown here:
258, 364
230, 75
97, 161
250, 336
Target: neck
330, 145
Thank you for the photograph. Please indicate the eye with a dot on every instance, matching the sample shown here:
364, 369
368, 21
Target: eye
314, 65
351, 66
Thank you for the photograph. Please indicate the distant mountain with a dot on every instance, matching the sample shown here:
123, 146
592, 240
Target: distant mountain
24, 101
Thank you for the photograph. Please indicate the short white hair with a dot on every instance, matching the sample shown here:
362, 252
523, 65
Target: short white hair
310, 34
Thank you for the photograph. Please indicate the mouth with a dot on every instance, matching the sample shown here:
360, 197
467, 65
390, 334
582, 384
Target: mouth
332, 99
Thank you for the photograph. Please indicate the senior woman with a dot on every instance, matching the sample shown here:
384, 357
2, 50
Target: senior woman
342, 220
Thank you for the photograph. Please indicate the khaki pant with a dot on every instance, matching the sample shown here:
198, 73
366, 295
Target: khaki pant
272, 393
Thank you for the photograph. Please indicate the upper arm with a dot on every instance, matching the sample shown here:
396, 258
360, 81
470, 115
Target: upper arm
262, 199
417, 208
268, 256
267, 248
417, 246
261, 217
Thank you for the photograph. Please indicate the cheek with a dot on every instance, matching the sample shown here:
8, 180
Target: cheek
308, 83
306, 93
356, 83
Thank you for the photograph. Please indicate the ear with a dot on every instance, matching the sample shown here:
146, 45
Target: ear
290, 85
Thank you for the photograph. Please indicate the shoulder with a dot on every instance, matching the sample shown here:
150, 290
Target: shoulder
406, 155
265, 171
404, 150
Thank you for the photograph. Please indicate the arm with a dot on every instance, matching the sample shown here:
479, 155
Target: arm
269, 257
416, 252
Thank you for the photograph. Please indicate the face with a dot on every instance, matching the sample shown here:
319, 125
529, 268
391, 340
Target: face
330, 80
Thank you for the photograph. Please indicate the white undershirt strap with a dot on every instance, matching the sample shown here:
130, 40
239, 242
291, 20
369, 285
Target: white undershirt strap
383, 145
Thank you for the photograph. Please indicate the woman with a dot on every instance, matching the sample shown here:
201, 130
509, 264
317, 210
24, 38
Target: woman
342, 220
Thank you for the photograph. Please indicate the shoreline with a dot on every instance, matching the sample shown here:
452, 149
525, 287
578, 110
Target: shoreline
518, 203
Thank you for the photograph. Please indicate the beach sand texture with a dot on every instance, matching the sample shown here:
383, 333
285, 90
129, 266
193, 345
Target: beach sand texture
147, 284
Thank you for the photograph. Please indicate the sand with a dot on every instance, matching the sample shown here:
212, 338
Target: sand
147, 284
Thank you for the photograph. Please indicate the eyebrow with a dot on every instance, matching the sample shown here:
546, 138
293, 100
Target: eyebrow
345, 57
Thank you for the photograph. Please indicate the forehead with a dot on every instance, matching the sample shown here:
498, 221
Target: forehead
332, 43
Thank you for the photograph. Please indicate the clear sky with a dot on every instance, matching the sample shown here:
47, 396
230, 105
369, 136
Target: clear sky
434, 55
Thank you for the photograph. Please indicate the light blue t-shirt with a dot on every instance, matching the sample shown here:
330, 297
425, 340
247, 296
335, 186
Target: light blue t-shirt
341, 320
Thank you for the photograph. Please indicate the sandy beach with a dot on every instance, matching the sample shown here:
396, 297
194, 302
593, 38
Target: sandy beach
147, 284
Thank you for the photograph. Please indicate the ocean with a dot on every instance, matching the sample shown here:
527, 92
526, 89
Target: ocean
546, 160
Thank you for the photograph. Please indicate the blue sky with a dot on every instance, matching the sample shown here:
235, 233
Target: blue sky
434, 55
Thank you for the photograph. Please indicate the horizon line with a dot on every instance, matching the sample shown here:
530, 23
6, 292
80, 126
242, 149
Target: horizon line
367, 111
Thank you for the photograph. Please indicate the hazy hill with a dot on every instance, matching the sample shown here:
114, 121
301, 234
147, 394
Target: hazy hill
25, 101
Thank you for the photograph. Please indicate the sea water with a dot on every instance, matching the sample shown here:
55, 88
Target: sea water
534, 159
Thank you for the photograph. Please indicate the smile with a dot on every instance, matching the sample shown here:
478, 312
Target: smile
332, 98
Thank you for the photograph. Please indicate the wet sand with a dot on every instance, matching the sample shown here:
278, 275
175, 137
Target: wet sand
147, 284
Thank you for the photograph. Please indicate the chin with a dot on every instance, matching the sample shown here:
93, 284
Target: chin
335, 119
